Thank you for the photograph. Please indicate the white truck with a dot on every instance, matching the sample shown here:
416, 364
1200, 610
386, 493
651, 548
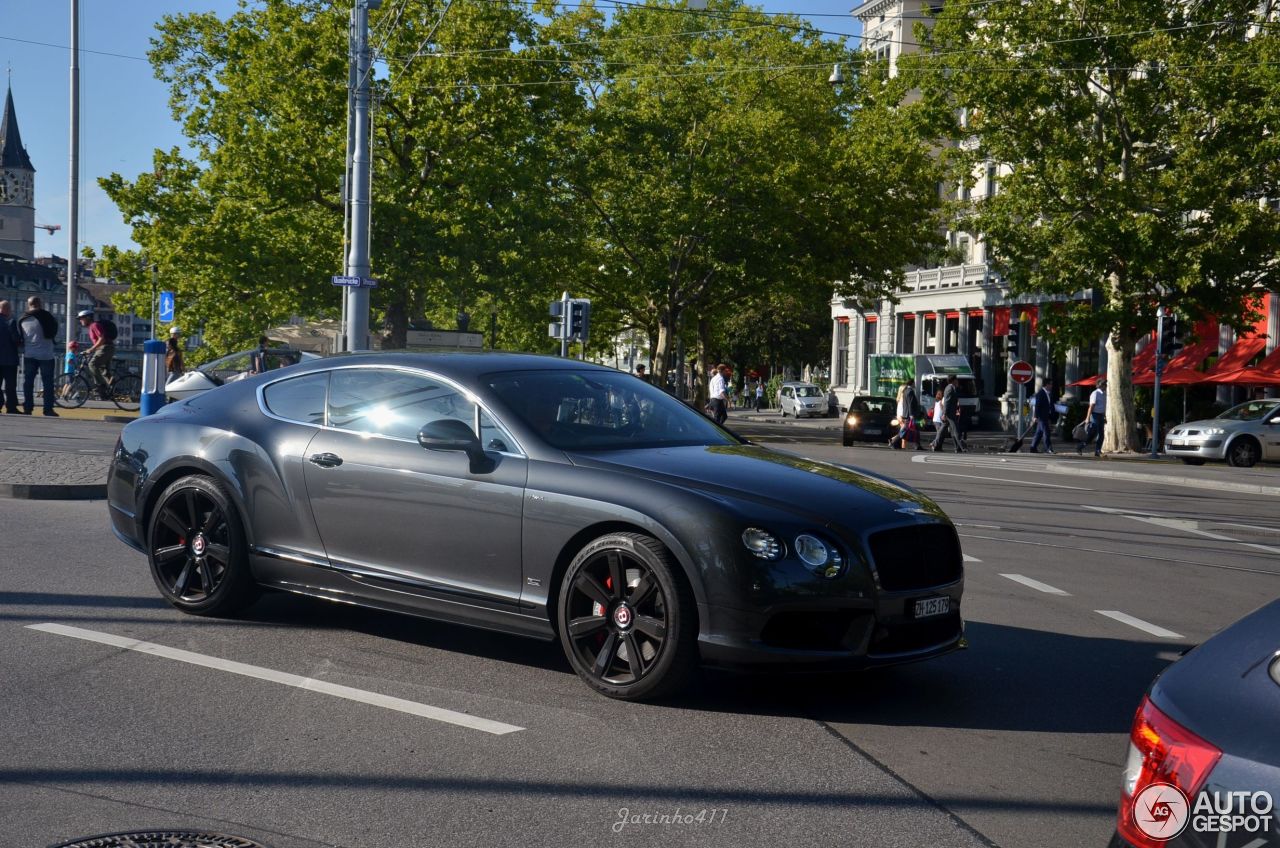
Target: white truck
929, 373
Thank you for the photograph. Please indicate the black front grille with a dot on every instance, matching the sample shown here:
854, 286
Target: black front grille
908, 636
813, 630
919, 557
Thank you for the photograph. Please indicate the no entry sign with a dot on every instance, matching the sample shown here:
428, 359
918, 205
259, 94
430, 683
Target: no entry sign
1021, 372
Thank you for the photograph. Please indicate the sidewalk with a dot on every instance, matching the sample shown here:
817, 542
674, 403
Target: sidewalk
52, 475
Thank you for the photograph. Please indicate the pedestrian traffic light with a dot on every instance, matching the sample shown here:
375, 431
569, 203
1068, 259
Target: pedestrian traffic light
1011, 343
579, 319
1171, 339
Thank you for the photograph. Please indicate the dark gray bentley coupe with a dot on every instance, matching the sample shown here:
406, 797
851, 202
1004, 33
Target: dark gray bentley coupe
539, 496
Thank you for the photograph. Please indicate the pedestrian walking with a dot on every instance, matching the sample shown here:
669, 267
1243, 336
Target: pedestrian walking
717, 394
1096, 418
173, 365
1042, 409
759, 395
947, 414
102, 349
38, 329
908, 433
10, 351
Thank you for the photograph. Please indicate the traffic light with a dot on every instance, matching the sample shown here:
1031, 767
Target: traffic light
1171, 339
1011, 343
579, 319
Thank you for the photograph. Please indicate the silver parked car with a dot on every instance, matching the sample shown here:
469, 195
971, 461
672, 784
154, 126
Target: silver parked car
801, 399
1243, 436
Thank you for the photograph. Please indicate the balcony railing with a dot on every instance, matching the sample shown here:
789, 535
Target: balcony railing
949, 277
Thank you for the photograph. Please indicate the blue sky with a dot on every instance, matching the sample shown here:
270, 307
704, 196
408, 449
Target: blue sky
124, 108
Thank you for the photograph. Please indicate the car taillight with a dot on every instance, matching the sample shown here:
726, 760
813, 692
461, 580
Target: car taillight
1161, 751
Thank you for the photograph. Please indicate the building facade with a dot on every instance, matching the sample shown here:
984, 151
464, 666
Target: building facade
966, 308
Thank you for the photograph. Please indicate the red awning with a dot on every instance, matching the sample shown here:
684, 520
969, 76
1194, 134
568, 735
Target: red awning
1088, 382
1265, 373
1143, 363
871, 319
1239, 355
1182, 370
1001, 326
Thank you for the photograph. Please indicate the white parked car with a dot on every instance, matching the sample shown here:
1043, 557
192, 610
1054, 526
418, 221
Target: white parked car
228, 369
1244, 435
801, 400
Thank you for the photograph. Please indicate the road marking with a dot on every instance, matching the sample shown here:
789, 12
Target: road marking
1036, 584
983, 526
1008, 480
271, 675
968, 558
1145, 626
1182, 524
1163, 559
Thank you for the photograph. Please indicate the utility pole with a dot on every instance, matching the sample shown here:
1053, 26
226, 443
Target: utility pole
1155, 406
341, 344
74, 187
358, 264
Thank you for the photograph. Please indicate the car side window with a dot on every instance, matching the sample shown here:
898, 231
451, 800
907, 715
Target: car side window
387, 402
300, 399
494, 437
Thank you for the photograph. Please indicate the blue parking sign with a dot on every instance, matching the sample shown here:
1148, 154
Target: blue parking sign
166, 307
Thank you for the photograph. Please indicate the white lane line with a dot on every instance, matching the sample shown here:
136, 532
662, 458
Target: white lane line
1181, 524
983, 526
1008, 480
1036, 584
968, 558
310, 684
1145, 626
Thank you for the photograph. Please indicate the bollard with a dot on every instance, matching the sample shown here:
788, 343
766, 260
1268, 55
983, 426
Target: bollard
153, 374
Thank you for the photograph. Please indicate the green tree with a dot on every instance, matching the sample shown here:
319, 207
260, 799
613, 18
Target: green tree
1141, 138
718, 166
247, 226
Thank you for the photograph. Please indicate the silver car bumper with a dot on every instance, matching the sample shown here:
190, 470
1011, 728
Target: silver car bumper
1202, 447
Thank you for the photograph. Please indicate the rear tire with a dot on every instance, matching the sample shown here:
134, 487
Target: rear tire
70, 391
126, 391
197, 549
627, 618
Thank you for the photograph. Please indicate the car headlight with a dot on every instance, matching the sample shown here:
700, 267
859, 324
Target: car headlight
762, 543
821, 558
851, 421
1214, 431
894, 423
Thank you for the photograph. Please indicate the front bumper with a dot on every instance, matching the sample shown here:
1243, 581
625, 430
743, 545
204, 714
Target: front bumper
1202, 447
839, 635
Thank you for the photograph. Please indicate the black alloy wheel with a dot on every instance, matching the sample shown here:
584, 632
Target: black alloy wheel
196, 548
626, 618
1244, 452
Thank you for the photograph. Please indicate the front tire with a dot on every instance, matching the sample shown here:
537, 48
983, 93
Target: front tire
626, 618
70, 391
1244, 452
197, 549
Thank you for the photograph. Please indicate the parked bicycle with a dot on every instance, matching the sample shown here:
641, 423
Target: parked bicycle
72, 390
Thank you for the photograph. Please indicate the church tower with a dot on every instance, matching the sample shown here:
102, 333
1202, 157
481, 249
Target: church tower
17, 189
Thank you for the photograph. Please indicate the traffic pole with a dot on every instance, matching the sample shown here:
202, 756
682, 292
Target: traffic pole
358, 262
1155, 406
564, 325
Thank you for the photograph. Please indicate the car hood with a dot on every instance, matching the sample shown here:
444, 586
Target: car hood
817, 490
1223, 423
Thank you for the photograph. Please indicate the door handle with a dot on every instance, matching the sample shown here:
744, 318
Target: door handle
325, 460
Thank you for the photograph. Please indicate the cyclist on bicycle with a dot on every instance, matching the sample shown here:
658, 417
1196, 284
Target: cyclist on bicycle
102, 334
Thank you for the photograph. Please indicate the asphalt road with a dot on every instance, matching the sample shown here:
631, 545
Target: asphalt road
1017, 741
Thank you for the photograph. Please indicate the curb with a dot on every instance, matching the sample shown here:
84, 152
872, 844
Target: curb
120, 419
53, 491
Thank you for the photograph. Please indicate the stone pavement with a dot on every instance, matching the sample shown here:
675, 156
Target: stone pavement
52, 475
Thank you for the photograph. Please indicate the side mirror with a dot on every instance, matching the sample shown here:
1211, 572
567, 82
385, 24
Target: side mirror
450, 434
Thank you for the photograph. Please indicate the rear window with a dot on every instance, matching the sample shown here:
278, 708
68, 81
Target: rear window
300, 399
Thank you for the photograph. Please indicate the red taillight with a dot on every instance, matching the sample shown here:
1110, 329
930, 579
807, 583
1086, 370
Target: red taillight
1161, 751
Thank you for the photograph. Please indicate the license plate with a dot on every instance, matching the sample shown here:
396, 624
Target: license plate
1175, 443
870, 432
926, 607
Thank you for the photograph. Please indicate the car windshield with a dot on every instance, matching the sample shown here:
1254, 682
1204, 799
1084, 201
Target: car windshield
808, 391
872, 404
599, 410
1254, 410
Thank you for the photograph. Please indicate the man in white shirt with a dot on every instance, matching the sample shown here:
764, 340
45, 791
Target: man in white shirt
718, 394
1096, 418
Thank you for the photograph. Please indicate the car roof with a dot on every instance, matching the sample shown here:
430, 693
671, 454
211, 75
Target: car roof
457, 364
